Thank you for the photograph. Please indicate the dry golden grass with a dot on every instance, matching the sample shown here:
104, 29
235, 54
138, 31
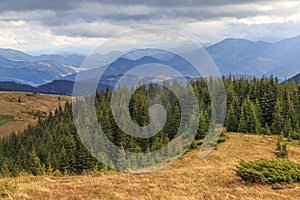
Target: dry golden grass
212, 177
30, 103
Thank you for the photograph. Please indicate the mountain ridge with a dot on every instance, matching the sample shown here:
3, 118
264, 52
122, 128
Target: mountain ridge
231, 55
295, 78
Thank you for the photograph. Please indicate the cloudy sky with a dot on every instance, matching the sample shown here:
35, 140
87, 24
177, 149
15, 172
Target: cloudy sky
42, 25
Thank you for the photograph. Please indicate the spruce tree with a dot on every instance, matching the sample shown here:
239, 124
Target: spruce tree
231, 120
203, 126
242, 128
278, 120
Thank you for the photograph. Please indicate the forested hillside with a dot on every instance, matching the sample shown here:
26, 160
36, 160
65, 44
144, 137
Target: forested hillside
253, 106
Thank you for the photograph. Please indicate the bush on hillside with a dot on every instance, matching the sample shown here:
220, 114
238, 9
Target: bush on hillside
269, 171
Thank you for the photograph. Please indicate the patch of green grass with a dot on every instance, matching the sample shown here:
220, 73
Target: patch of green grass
5, 118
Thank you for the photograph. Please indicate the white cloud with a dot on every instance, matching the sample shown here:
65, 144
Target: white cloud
32, 36
12, 24
206, 31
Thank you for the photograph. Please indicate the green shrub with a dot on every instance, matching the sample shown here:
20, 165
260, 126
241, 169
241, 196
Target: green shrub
269, 171
223, 137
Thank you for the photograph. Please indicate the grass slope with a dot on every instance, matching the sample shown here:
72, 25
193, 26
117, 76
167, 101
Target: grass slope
187, 178
15, 115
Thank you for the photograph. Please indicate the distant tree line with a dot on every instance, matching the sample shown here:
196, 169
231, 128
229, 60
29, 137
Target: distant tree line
53, 146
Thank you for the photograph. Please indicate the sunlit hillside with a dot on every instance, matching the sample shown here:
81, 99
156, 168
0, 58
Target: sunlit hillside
18, 109
187, 178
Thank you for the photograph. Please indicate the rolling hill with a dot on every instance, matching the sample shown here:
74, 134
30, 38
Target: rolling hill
189, 177
12, 86
27, 110
32, 73
72, 59
23, 68
61, 87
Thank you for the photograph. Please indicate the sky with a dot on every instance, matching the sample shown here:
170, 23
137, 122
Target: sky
79, 25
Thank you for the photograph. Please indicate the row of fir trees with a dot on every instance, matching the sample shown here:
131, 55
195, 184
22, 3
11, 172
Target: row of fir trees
262, 106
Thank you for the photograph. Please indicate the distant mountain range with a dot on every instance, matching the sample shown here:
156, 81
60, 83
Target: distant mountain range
22, 68
239, 56
19, 67
62, 87
71, 60
232, 56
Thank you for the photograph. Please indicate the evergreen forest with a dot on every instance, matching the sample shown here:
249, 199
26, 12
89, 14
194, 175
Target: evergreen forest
257, 106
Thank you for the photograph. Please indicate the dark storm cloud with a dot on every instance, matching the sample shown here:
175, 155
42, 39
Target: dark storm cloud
179, 3
26, 5
116, 11
147, 13
81, 17
59, 5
